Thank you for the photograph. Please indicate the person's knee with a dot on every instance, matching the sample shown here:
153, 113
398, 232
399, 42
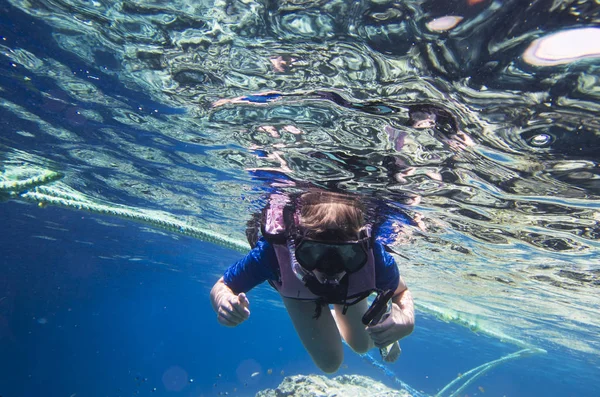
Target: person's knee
330, 365
329, 360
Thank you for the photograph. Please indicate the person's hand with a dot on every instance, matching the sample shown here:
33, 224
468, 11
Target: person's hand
396, 326
233, 309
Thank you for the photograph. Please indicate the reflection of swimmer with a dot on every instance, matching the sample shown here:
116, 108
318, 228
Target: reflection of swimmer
420, 116
316, 250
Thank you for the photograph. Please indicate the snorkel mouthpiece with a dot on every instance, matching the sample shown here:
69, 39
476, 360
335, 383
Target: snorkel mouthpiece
332, 280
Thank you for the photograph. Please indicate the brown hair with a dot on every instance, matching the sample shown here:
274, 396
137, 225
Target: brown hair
330, 215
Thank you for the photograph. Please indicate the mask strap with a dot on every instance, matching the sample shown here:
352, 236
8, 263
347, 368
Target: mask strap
366, 231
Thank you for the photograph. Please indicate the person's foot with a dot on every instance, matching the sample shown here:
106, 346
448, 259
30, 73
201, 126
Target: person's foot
393, 352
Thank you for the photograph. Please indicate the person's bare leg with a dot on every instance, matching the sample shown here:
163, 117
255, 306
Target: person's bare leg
320, 337
351, 326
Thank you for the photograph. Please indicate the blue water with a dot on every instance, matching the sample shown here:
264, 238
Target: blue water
74, 323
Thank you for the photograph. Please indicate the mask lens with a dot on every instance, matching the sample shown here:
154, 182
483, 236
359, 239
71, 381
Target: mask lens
306, 255
331, 258
353, 256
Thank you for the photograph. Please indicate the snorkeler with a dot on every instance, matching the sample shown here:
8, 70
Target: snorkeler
317, 250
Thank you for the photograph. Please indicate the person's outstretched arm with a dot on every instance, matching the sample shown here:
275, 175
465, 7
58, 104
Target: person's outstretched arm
228, 295
231, 309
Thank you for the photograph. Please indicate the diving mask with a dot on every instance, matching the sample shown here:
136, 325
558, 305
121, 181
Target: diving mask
332, 257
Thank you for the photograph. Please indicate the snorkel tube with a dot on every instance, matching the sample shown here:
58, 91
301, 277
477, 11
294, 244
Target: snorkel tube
298, 270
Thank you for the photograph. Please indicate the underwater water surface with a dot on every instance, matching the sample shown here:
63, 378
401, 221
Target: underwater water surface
138, 138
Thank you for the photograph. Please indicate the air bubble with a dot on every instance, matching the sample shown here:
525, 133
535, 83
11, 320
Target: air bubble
540, 140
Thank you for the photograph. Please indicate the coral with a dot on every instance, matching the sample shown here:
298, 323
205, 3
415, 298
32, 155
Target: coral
322, 386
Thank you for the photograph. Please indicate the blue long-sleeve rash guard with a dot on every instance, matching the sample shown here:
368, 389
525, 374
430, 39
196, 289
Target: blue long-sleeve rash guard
259, 266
